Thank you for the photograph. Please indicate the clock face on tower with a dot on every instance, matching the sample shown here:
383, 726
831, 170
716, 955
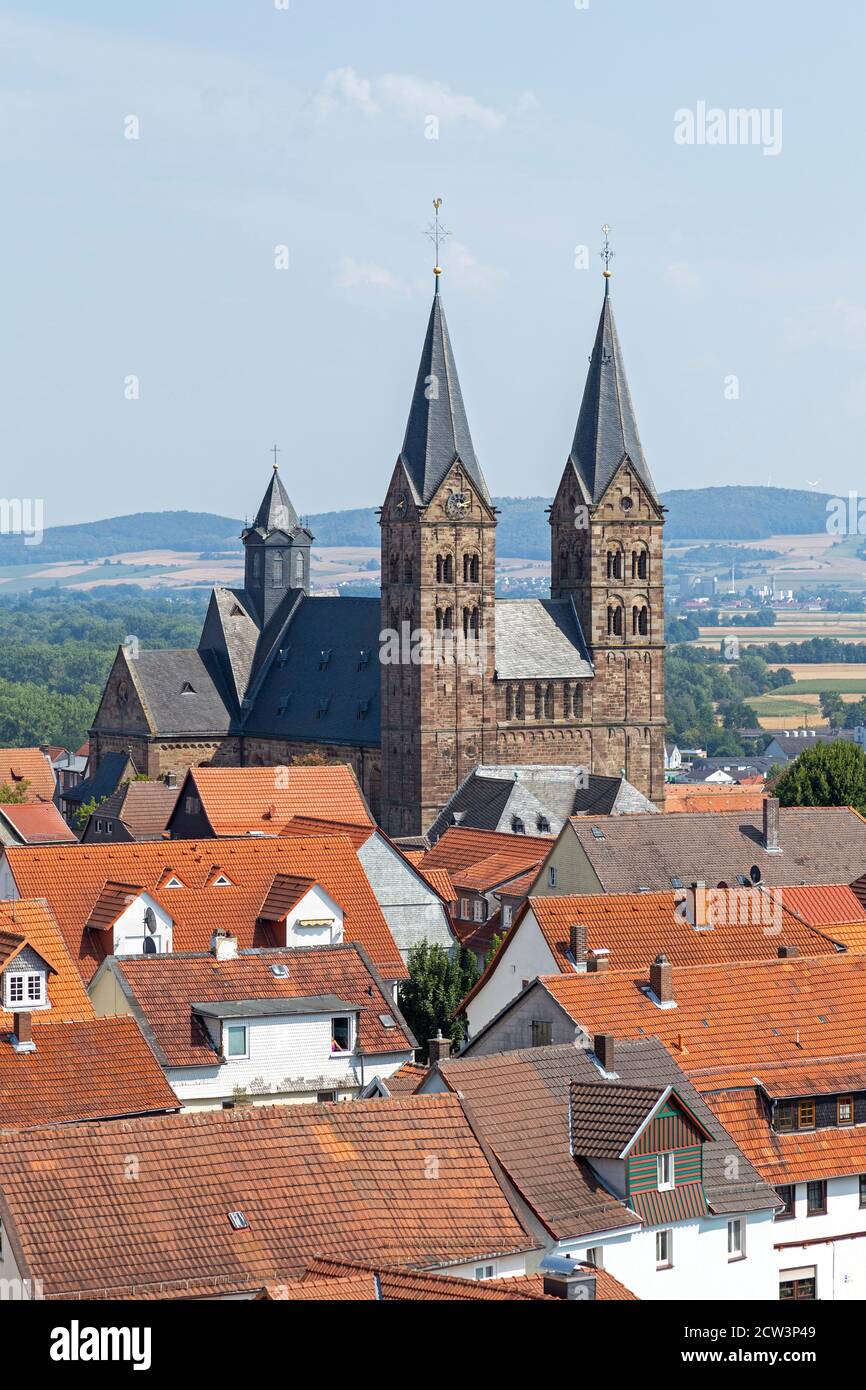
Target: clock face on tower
457, 504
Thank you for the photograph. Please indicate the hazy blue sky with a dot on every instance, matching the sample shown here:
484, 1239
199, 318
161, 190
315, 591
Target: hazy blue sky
307, 127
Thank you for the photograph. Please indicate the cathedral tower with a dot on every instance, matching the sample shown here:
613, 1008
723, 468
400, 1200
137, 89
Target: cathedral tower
606, 554
277, 552
438, 580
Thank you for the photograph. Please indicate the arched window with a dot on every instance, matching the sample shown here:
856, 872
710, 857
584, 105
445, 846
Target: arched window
448, 569
614, 564
449, 619
407, 569
639, 564
538, 701
509, 702
643, 621
276, 574
438, 619
577, 701
299, 567
566, 701
520, 703
548, 702
395, 569
471, 569
614, 620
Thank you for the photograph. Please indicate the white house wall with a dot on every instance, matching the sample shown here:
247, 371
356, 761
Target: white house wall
840, 1265
413, 911
130, 931
526, 955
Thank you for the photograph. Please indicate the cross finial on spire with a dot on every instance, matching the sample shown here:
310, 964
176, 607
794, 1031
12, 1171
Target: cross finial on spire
607, 257
437, 234
274, 450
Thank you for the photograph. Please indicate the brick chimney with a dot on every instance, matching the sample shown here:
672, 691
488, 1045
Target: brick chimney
224, 944
662, 979
438, 1049
604, 1047
786, 952
700, 898
22, 1033
577, 942
598, 960
771, 825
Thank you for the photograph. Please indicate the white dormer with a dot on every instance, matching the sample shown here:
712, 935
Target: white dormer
315, 920
25, 983
143, 928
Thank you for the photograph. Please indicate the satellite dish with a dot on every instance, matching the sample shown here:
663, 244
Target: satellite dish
150, 919
755, 874
149, 946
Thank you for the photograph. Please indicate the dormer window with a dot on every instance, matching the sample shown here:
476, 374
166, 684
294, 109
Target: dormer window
221, 882
665, 1166
173, 882
24, 989
845, 1110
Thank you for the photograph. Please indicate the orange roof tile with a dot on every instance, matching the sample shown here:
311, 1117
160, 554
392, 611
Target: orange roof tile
92, 1069
38, 823
239, 799
29, 765
441, 880
399, 1284
349, 1181
164, 988
729, 1016
73, 877
685, 796
787, 1158
459, 848
35, 922
852, 935
405, 1081
824, 904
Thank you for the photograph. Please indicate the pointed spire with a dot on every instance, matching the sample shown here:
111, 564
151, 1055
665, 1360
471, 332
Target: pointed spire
606, 427
437, 432
276, 512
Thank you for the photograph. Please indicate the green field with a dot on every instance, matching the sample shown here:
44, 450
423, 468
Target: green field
832, 685
774, 706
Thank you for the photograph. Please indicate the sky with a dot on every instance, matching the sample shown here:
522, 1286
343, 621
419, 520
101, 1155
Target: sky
212, 240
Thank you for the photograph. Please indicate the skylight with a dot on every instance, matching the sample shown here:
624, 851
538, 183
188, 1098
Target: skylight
239, 1221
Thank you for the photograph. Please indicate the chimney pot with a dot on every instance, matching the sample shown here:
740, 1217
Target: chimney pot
604, 1047
662, 979
438, 1049
771, 825
224, 944
785, 952
598, 960
577, 942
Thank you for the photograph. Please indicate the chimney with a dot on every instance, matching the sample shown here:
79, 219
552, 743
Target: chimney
598, 961
22, 1033
604, 1047
458, 817
438, 1049
771, 825
700, 897
786, 952
170, 779
662, 979
224, 944
577, 942
565, 1278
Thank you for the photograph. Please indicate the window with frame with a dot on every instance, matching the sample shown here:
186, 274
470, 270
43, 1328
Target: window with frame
341, 1034
236, 1042
816, 1197
464, 908
484, 1271
788, 1194
664, 1249
845, 1110
24, 987
736, 1238
506, 914
551, 877
479, 910
541, 1032
665, 1171
595, 1257
798, 1285
786, 1116
325, 1097
806, 1114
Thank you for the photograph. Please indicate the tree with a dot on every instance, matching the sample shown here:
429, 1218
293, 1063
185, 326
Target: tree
832, 708
830, 774
494, 947
85, 810
14, 796
437, 983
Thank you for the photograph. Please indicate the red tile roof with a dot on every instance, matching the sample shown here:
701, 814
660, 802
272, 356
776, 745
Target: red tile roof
459, 848
143, 807
824, 904
73, 879
163, 989
35, 923
788, 1158
414, 1285
405, 1182
239, 799
29, 765
38, 823
685, 796
405, 1081
441, 880
93, 1069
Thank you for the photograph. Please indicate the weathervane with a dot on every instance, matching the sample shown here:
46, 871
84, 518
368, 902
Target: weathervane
607, 257
437, 234
274, 450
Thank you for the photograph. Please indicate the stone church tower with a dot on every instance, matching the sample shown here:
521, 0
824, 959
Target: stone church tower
438, 705
606, 554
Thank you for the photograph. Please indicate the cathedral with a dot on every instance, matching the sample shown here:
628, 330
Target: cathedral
415, 689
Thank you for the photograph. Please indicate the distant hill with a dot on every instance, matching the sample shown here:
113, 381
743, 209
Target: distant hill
708, 513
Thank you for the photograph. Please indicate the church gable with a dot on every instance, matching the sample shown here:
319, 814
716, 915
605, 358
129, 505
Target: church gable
122, 708
231, 632
457, 500
627, 499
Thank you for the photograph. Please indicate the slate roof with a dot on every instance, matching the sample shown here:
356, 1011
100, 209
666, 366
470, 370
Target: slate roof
89, 1069
236, 800
437, 431
36, 823
73, 877
161, 991
103, 783
607, 427
820, 844
325, 695
232, 624
351, 1181
537, 639
27, 765
33, 922
143, 807
610, 1129
182, 691
492, 794
518, 1104
276, 512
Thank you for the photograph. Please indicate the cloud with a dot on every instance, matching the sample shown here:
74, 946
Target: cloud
408, 97
681, 277
527, 101
842, 322
466, 273
353, 275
